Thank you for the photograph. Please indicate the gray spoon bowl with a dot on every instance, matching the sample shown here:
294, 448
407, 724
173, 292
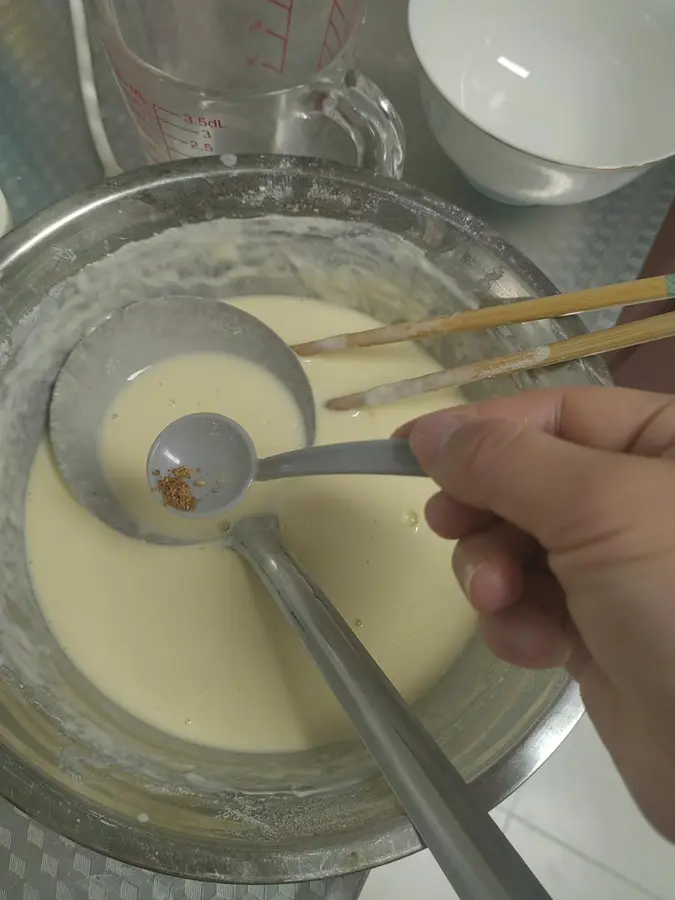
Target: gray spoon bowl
223, 463
128, 342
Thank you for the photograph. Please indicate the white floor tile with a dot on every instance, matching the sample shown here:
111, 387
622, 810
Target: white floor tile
564, 874
416, 876
500, 815
578, 797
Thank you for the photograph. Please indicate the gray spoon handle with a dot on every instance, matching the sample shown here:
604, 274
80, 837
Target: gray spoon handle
476, 858
387, 457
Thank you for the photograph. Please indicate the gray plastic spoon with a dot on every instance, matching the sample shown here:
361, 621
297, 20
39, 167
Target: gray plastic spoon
478, 861
223, 462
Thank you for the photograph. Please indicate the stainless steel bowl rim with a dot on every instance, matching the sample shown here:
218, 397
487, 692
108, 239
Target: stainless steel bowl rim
67, 813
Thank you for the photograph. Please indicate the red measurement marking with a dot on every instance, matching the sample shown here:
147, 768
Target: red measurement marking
175, 125
167, 122
338, 25
138, 105
281, 36
161, 129
168, 111
133, 98
142, 114
134, 93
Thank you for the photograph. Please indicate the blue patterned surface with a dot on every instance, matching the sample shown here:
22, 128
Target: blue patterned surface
45, 150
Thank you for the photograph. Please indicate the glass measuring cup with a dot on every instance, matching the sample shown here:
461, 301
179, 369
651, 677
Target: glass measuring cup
203, 77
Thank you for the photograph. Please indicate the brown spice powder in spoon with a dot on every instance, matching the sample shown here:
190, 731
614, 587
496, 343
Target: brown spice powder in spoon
175, 489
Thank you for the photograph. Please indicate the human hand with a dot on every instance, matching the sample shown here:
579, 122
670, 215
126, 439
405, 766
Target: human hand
648, 367
564, 506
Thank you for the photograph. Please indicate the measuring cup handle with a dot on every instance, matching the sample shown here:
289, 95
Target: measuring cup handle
359, 107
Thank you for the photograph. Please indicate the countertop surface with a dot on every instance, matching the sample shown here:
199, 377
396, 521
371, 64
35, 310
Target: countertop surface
600, 242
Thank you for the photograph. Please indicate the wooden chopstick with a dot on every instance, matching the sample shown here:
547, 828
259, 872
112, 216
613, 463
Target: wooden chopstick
660, 287
653, 329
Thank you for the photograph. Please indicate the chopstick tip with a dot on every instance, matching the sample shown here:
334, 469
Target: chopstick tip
342, 404
325, 345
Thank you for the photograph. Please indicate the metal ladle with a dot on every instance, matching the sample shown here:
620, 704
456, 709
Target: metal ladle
150, 331
477, 859
127, 343
224, 456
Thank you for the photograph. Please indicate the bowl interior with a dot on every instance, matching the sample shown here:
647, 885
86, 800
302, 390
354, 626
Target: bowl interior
72, 758
584, 84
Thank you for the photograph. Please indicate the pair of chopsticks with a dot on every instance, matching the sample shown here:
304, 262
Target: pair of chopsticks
656, 328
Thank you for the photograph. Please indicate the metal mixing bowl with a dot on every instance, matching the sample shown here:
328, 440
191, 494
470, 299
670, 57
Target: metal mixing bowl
72, 759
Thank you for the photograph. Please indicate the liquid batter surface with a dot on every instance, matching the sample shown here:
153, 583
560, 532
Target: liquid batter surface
185, 638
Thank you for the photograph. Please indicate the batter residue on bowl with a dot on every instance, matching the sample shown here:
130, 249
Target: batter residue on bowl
185, 638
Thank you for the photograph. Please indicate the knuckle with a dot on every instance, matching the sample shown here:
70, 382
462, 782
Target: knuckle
656, 438
473, 457
623, 517
484, 442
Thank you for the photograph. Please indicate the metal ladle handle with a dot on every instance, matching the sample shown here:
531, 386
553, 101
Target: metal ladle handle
476, 858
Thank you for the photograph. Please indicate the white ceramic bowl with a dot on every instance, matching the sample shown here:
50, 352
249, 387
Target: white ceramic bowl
548, 102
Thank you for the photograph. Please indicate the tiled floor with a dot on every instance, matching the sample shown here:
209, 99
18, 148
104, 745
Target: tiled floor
574, 824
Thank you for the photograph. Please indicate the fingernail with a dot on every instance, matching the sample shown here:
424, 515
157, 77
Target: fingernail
536, 643
481, 582
466, 572
428, 437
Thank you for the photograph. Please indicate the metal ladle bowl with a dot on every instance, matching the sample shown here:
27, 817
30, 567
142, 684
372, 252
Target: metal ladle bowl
129, 342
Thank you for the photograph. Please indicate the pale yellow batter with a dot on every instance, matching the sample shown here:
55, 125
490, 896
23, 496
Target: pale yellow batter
184, 637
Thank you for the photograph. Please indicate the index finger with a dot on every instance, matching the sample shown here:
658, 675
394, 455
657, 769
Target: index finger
614, 419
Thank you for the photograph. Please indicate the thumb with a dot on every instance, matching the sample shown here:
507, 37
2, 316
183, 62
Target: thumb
563, 494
